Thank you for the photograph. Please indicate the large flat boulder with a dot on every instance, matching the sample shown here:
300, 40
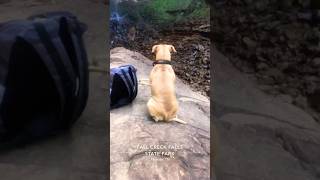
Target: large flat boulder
134, 134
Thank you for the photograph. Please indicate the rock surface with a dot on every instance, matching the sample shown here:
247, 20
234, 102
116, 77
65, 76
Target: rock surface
133, 132
260, 137
275, 41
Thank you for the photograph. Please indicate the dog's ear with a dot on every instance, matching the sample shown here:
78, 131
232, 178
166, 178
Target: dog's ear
154, 48
172, 49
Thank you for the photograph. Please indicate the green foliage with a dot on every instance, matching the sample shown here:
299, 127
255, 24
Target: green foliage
160, 8
201, 13
165, 11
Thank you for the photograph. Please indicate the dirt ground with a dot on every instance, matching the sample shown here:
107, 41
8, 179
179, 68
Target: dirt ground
81, 153
191, 63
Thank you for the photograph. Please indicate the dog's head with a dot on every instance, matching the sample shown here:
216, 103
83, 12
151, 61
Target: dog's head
163, 51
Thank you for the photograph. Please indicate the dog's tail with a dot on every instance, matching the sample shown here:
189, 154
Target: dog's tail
178, 120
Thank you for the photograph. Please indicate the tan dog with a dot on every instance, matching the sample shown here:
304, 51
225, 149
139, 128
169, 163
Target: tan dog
163, 105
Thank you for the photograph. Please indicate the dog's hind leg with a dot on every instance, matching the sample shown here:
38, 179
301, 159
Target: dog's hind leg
153, 111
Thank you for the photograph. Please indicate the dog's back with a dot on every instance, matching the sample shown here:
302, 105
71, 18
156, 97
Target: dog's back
163, 105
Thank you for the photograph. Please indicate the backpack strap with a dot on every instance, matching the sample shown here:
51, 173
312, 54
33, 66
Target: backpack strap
67, 64
135, 81
81, 66
126, 81
58, 55
41, 50
131, 83
62, 63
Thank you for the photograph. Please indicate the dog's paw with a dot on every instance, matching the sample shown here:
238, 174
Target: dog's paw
156, 119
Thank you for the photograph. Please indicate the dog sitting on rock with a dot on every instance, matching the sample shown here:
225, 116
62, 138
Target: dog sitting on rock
163, 104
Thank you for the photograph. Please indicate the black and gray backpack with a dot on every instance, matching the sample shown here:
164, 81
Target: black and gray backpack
43, 76
123, 85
